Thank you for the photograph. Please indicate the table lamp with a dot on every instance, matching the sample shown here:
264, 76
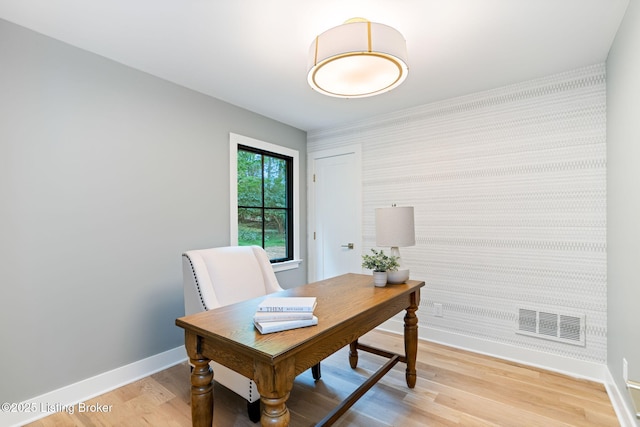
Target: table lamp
395, 228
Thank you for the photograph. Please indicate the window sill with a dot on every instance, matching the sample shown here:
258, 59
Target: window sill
286, 265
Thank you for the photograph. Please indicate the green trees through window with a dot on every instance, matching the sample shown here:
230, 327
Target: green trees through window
264, 202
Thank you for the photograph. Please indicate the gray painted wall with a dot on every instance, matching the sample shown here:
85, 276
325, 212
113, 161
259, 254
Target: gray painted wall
623, 197
107, 175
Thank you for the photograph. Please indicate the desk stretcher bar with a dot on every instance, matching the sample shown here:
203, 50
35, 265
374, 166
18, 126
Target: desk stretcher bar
344, 406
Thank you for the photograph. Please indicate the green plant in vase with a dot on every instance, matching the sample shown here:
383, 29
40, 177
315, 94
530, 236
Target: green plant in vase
380, 263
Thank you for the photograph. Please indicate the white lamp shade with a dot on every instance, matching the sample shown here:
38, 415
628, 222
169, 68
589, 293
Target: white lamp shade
395, 227
357, 59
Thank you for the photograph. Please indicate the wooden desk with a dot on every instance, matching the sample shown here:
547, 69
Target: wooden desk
348, 307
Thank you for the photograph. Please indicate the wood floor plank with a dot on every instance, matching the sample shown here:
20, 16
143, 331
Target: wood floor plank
454, 388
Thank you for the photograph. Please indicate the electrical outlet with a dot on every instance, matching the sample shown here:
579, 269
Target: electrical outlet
625, 370
438, 309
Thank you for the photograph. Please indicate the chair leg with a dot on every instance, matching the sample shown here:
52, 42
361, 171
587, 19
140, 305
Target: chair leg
315, 371
253, 409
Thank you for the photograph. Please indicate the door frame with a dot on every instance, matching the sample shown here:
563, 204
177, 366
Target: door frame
312, 249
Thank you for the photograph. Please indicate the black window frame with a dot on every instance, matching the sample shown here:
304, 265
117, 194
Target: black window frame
288, 209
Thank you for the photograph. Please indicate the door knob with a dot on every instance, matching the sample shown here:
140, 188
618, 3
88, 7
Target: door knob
348, 245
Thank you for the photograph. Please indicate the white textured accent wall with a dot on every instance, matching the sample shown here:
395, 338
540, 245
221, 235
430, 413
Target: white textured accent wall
509, 190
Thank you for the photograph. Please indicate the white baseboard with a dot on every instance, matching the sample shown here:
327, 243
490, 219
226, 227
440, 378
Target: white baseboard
625, 413
63, 399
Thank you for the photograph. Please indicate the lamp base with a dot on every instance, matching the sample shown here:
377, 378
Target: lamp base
397, 277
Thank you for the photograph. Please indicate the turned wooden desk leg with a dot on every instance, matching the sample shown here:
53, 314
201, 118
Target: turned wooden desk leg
274, 385
201, 383
353, 354
201, 393
411, 339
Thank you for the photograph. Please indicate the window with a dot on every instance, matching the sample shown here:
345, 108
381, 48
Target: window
265, 192
264, 199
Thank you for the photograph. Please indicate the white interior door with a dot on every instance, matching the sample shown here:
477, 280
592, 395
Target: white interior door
336, 240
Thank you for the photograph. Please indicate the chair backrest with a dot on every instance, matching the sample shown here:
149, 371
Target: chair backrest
220, 276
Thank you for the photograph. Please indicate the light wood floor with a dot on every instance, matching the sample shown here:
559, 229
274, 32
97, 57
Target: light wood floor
454, 388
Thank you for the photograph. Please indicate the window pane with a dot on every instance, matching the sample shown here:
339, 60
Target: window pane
275, 239
249, 179
275, 182
249, 227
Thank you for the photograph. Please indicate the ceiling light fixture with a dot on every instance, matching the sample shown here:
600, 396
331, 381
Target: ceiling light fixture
357, 59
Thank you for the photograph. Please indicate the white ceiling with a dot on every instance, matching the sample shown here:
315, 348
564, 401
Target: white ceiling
253, 53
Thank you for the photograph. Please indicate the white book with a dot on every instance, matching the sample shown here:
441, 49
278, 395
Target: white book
269, 327
307, 304
275, 316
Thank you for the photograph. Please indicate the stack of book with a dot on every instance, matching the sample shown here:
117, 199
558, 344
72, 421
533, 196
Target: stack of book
276, 314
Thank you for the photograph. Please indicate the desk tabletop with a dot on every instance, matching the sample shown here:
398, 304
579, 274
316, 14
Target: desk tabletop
341, 301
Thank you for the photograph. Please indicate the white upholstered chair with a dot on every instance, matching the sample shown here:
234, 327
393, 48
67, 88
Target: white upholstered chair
217, 277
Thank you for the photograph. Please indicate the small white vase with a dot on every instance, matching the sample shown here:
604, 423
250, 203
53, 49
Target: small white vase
380, 278
398, 276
